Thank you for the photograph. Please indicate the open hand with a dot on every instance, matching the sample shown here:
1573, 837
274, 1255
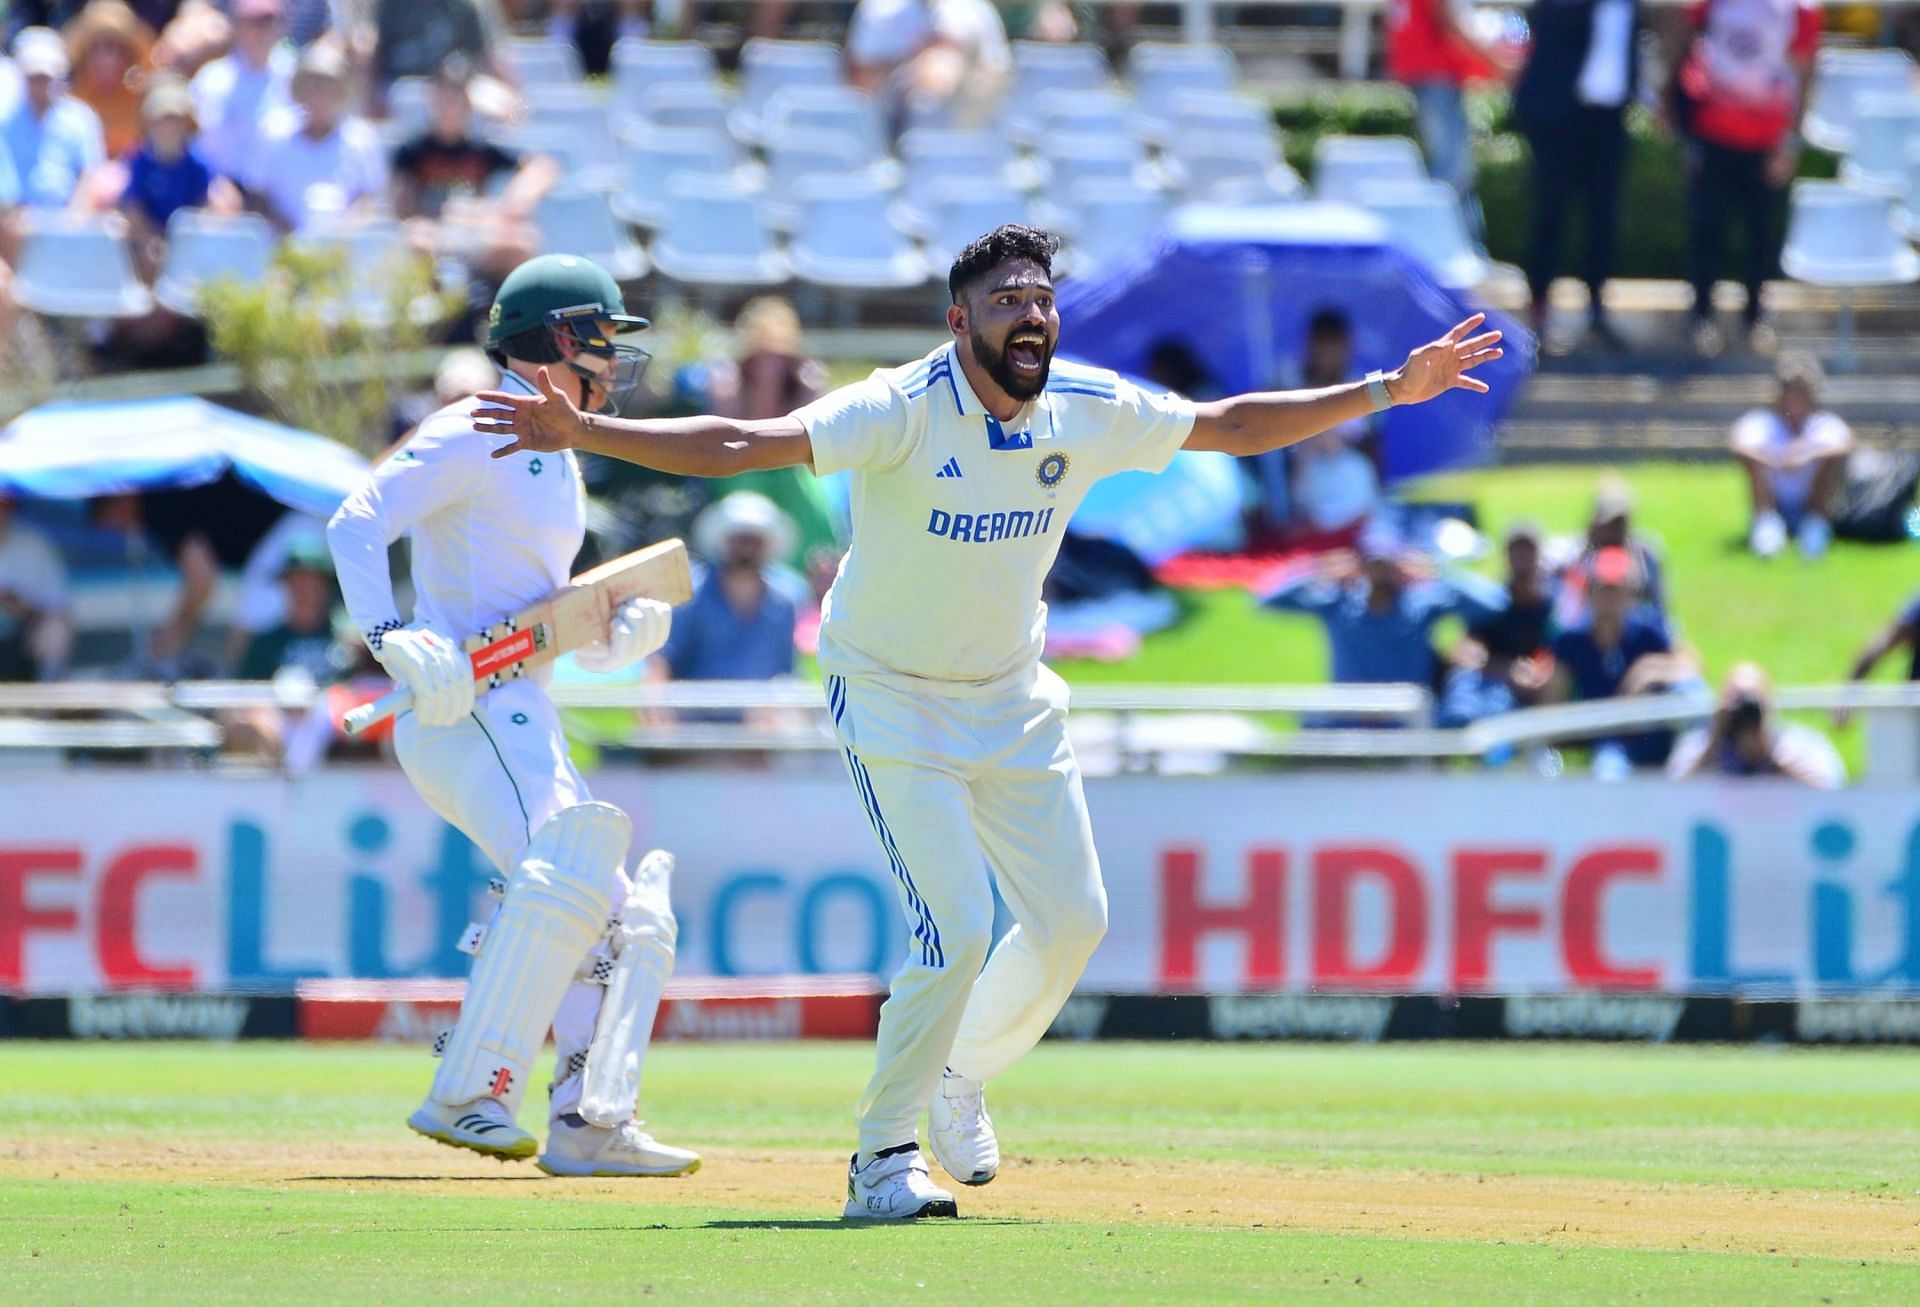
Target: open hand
543, 422
1446, 364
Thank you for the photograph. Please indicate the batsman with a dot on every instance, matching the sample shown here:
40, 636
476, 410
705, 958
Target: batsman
577, 940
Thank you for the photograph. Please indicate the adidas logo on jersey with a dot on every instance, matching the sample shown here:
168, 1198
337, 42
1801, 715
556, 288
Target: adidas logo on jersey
952, 469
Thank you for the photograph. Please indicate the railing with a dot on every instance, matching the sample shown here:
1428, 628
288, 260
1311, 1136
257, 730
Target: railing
1141, 726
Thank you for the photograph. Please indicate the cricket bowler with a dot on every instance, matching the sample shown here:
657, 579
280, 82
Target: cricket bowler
967, 466
576, 940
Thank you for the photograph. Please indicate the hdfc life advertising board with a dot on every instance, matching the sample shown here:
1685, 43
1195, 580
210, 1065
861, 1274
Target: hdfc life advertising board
1243, 884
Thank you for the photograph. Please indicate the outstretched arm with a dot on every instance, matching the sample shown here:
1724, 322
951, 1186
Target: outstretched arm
1256, 423
1901, 632
698, 446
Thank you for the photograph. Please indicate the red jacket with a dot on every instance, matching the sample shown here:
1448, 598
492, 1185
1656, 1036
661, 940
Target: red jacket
1743, 72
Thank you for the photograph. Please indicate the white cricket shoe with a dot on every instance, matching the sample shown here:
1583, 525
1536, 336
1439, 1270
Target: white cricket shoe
482, 1126
1769, 534
961, 1132
894, 1188
625, 1149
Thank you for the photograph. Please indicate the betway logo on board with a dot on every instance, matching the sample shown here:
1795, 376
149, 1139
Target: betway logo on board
1593, 1016
1299, 1016
156, 1016
695, 1018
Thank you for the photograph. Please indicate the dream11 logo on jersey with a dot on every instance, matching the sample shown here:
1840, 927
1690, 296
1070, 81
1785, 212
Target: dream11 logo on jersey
1480, 894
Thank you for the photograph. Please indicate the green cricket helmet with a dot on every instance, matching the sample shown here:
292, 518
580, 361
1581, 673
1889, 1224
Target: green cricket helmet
551, 309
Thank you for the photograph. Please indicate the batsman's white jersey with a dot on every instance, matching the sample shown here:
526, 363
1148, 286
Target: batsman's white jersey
489, 537
954, 733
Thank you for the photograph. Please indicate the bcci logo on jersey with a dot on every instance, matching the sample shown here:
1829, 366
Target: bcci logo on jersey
1052, 470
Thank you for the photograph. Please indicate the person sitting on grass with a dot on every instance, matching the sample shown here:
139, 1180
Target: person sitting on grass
1795, 455
1747, 738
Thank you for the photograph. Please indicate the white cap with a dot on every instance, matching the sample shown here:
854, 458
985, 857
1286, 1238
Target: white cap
739, 513
39, 52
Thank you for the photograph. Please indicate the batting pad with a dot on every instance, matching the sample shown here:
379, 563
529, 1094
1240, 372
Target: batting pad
642, 941
555, 909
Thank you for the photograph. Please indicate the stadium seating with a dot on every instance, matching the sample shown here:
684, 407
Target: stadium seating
1040, 67
652, 161
576, 125
1223, 169
1160, 74
1109, 219
961, 210
934, 156
1427, 222
1071, 159
1214, 115
638, 66
1841, 78
574, 220
679, 104
74, 266
794, 158
844, 240
838, 111
1885, 127
715, 233
1085, 113
1343, 164
540, 62
204, 247
767, 67
1838, 235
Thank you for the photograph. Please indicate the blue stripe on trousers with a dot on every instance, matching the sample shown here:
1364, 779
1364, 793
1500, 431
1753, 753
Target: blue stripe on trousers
925, 932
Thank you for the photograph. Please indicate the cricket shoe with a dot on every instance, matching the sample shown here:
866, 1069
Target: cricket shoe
575, 1147
482, 1126
895, 1188
961, 1132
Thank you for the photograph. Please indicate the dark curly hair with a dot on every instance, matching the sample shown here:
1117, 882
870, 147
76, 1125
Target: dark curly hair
985, 253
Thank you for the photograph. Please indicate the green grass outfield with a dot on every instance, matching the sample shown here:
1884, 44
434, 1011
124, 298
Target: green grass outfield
1169, 1173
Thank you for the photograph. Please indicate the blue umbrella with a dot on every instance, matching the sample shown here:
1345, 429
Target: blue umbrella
80, 450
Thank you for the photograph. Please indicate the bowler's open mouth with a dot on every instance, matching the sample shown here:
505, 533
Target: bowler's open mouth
1027, 351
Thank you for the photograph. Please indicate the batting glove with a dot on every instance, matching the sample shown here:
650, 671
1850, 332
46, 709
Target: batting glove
437, 671
639, 628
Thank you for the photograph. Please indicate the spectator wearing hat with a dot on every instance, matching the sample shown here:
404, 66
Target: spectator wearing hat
1795, 455
236, 95
167, 173
111, 52
1379, 607
441, 179
1611, 527
36, 633
739, 625
1504, 662
318, 162
1747, 738
1618, 648
54, 139
770, 375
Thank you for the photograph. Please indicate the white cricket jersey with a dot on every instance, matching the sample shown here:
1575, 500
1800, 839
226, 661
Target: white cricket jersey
490, 536
957, 517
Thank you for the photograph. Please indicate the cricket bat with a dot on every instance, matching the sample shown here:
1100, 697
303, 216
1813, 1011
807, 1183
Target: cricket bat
575, 615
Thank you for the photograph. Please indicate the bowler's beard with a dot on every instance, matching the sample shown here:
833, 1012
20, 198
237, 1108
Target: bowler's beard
1000, 368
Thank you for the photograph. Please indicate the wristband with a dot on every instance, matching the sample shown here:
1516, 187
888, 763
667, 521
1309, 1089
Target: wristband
1377, 391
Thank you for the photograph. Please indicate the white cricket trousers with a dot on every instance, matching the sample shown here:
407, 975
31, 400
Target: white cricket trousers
497, 777
963, 792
